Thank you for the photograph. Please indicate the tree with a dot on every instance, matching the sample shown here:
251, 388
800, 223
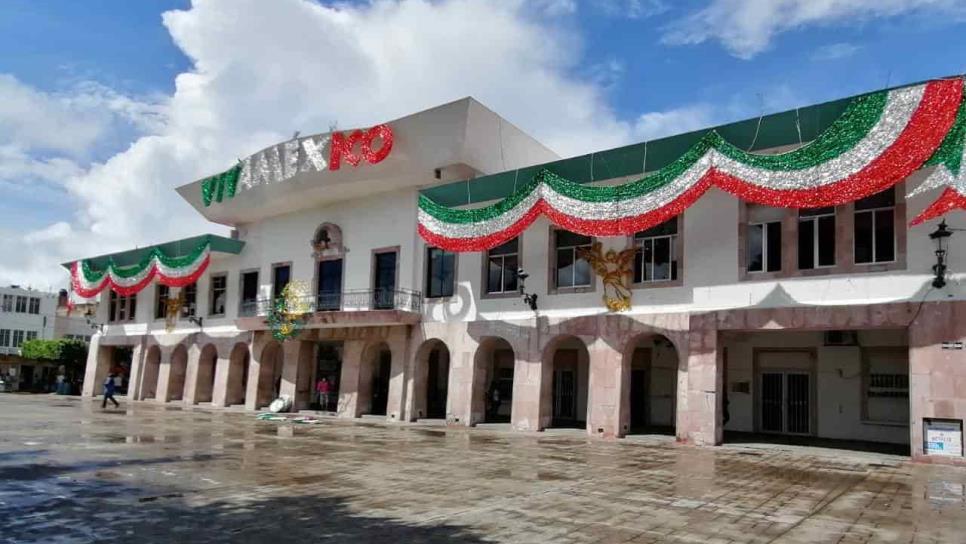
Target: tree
72, 354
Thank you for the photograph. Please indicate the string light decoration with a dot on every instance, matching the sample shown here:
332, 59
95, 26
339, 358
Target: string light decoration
877, 142
87, 281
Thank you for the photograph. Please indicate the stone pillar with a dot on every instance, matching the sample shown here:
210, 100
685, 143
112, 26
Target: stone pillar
937, 377
352, 353
297, 372
259, 342
396, 403
605, 390
219, 397
191, 375
98, 366
290, 368
459, 391
164, 375
137, 367
699, 415
528, 412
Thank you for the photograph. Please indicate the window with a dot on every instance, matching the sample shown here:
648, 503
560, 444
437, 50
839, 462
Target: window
219, 290
34, 305
281, 274
17, 339
571, 270
122, 308
31, 335
249, 293
7, 303
886, 385
189, 294
440, 272
875, 232
502, 263
655, 259
816, 238
161, 301
21, 305
4, 338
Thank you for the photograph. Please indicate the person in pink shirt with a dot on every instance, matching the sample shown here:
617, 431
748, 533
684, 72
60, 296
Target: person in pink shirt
324, 388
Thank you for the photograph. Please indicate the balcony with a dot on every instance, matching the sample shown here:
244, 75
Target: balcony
356, 307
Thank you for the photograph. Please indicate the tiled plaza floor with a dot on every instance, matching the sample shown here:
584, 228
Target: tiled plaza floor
70, 472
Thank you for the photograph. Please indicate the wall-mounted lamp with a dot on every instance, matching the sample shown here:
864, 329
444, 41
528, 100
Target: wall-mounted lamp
529, 298
941, 237
196, 320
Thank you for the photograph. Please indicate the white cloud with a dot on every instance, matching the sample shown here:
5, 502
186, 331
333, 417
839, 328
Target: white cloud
632, 9
659, 124
556, 8
835, 51
263, 70
747, 27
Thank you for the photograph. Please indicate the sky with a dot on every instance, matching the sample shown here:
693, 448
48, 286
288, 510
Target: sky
106, 106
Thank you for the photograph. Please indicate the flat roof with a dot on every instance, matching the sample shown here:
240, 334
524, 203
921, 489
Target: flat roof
175, 248
791, 127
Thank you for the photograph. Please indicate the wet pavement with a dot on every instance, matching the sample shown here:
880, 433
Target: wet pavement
71, 472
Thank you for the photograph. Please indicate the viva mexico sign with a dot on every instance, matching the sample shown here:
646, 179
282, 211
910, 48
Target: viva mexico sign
299, 155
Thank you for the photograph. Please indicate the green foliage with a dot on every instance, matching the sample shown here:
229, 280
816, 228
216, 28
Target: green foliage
70, 353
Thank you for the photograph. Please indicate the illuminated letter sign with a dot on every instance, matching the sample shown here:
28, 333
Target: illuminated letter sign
343, 147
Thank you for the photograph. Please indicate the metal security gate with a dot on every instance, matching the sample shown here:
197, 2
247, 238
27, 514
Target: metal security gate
565, 396
786, 402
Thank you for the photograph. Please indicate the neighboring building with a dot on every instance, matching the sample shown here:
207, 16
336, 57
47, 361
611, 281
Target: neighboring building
816, 322
28, 314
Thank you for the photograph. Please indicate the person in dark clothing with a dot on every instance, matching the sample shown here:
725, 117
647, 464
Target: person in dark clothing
109, 387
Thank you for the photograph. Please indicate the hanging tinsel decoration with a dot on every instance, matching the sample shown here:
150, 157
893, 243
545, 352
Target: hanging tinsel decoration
287, 315
87, 281
878, 141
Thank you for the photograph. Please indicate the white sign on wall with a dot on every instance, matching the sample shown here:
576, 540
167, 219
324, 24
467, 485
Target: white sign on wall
944, 437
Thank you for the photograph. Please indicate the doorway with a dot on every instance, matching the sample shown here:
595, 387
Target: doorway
328, 367
568, 381
329, 294
437, 382
785, 402
380, 383
384, 280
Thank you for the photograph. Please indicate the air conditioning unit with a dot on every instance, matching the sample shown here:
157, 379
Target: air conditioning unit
841, 338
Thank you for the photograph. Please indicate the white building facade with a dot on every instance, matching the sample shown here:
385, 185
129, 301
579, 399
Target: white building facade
725, 318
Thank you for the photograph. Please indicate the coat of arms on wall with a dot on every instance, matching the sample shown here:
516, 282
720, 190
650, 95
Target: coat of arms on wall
288, 311
614, 269
172, 310
327, 241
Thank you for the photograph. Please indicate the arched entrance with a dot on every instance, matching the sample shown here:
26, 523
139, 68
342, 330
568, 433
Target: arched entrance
237, 381
177, 373
432, 380
565, 382
152, 368
205, 380
493, 365
374, 379
651, 395
269, 374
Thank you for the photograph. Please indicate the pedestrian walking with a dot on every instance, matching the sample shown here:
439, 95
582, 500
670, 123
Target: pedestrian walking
324, 388
109, 387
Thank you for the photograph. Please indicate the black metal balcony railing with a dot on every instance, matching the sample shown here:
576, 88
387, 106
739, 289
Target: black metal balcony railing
356, 300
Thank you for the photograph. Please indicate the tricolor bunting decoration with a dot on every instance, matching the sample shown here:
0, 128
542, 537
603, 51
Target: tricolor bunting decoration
128, 280
879, 140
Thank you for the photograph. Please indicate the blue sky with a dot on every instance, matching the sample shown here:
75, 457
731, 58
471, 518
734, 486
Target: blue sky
94, 130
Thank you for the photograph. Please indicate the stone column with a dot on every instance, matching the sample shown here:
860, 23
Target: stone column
529, 412
219, 397
605, 390
699, 416
191, 374
137, 367
261, 339
396, 403
297, 372
349, 405
164, 375
98, 365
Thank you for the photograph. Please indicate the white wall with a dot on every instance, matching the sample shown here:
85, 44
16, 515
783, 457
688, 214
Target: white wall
41, 323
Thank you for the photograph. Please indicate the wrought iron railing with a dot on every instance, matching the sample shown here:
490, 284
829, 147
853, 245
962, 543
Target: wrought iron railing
346, 301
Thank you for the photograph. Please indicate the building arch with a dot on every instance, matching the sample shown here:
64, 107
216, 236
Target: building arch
205, 376
651, 369
494, 364
374, 375
237, 380
270, 365
431, 386
152, 370
565, 385
177, 372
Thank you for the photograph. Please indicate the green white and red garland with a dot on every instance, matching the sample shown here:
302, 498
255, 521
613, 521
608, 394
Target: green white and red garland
87, 281
878, 141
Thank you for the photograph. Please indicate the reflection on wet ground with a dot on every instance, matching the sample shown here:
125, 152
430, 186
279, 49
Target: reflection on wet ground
71, 472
